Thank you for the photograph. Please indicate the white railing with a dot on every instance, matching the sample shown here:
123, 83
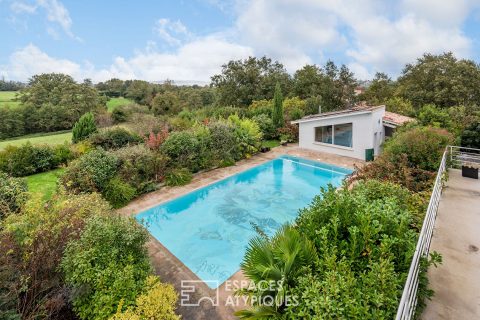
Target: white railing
464, 156
408, 302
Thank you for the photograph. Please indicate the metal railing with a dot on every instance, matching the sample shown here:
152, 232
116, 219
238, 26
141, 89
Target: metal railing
464, 156
457, 157
408, 302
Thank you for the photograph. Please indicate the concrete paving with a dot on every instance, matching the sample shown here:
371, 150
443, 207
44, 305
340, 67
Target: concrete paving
456, 237
173, 271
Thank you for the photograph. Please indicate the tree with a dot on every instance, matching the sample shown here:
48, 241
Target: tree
380, 90
442, 80
84, 127
471, 136
401, 106
166, 103
54, 101
277, 114
308, 81
430, 115
140, 91
243, 81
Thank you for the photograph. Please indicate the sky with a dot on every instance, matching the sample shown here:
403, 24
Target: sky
190, 40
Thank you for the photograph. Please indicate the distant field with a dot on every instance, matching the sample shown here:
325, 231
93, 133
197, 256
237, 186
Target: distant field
44, 184
6, 98
42, 138
116, 102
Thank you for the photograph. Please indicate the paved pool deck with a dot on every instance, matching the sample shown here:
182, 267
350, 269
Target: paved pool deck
173, 271
456, 237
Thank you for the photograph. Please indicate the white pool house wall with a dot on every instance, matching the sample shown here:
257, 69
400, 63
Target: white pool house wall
367, 132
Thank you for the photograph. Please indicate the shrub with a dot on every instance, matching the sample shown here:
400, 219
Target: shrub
401, 106
141, 167
12, 194
28, 159
114, 138
91, 172
248, 136
154, 141
430, 115
84, 127
266, 126
470, 137
294, 108
423, 147
107, 266
289, 131
182, 149
364, 240
178, 177
118, 193
223, 141
157, 303
31, 248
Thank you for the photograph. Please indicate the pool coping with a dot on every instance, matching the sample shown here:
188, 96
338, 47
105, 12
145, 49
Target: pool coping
171, 269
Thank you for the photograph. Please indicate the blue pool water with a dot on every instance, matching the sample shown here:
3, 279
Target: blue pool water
209, 228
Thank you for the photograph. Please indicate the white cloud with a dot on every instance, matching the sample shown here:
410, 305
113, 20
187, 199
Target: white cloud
172, 32
373, 35
194, 61
55, 12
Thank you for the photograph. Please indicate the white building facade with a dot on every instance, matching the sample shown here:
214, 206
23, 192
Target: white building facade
357, 133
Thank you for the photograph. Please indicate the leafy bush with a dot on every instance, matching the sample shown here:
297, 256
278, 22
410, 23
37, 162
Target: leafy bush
114, 138
157, 303
12, 194
91, 172
118, 193
141, 167
31, 248
107, 266
364, 240
223, 141
470, 137
266, 126
294, 108
401, 106
28, 159
84, 127
290, 131
182, 149
248, 136
154, 141
178, 177
430, 115
423, 147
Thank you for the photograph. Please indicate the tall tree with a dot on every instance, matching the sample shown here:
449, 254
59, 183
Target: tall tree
308, 81
380, 90
243, 81
277, 114
442, 80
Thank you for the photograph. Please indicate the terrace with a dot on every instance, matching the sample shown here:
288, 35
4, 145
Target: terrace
450, 228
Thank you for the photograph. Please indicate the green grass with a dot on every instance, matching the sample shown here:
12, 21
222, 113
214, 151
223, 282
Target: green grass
44, 184
271, 143
6, 99
116, 102
39, 138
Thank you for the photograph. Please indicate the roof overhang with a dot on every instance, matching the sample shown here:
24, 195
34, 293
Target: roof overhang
334, 116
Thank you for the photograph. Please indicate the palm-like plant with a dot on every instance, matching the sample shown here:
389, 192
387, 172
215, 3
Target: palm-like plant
275, 263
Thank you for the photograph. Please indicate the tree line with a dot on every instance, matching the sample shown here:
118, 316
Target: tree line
440, 90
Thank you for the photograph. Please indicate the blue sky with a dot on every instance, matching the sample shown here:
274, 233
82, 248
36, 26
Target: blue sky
189, 40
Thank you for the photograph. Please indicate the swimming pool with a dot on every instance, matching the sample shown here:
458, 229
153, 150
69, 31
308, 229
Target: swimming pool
208, 229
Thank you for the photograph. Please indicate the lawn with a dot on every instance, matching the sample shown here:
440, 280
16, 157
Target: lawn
6, 99
39, 138
270, 143
116, 102
44, 184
